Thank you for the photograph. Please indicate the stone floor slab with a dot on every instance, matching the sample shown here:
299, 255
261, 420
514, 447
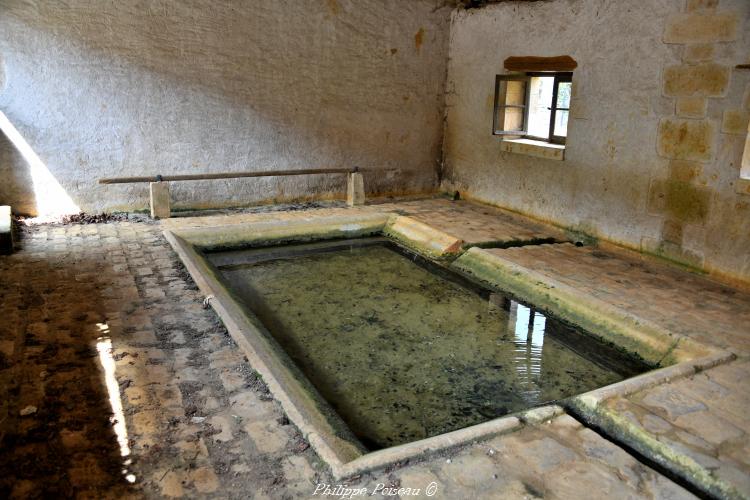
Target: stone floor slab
675, 299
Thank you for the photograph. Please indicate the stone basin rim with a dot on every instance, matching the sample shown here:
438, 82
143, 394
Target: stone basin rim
344, 456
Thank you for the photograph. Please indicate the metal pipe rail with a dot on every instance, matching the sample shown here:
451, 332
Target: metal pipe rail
235, 175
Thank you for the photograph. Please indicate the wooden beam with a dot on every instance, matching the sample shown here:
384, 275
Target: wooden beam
534, 63
234, 175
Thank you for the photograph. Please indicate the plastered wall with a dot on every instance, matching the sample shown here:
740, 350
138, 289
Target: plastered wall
107, 89
659, 120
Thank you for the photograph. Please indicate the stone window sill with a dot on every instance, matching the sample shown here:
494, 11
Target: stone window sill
538, 149
743, 186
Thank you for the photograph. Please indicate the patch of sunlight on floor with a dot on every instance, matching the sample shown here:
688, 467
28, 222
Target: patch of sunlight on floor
104, 346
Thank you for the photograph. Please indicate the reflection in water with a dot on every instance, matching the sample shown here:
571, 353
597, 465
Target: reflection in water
528, 327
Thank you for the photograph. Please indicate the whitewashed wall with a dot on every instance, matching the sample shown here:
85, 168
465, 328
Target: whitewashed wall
102, 89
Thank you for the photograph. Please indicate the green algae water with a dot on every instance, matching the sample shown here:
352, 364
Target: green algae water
403, 349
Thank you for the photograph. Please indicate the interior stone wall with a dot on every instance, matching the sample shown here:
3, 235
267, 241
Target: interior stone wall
659, 117
106, 89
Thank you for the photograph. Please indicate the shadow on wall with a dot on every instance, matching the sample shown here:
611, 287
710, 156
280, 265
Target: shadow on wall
31, 189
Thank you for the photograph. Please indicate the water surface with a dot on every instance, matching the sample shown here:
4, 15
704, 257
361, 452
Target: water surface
404, 350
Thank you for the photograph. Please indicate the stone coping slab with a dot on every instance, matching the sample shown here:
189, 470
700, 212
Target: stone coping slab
619, 426
559, 458
471, 224
688, 303
476, 224
276, 232
703, 418
419, 236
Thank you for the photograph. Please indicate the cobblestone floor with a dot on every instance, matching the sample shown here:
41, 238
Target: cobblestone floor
98, 319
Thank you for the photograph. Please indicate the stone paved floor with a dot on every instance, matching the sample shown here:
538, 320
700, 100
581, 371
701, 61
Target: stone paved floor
679, 301
198, 421
705, 416
474, 224
477, 225
82, 306
557, 459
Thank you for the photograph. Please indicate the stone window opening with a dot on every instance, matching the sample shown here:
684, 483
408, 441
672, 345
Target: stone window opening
533, 105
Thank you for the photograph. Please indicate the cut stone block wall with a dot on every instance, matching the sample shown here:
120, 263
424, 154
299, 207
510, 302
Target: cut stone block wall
111, 89
706, 34
659, 117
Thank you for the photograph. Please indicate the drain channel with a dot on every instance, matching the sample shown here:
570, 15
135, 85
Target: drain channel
675, 476
515, 243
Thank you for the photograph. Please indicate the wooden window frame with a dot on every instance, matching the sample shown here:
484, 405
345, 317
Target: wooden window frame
559, 77
511, 78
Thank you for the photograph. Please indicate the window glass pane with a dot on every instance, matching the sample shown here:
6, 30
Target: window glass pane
561, 123
540, 102
516, 93
511, 103
563, 94
513, 119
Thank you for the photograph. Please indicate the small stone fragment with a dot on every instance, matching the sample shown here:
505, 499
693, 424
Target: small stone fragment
29, 410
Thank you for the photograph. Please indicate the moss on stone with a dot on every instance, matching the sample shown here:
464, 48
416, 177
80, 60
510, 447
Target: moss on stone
613, 424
